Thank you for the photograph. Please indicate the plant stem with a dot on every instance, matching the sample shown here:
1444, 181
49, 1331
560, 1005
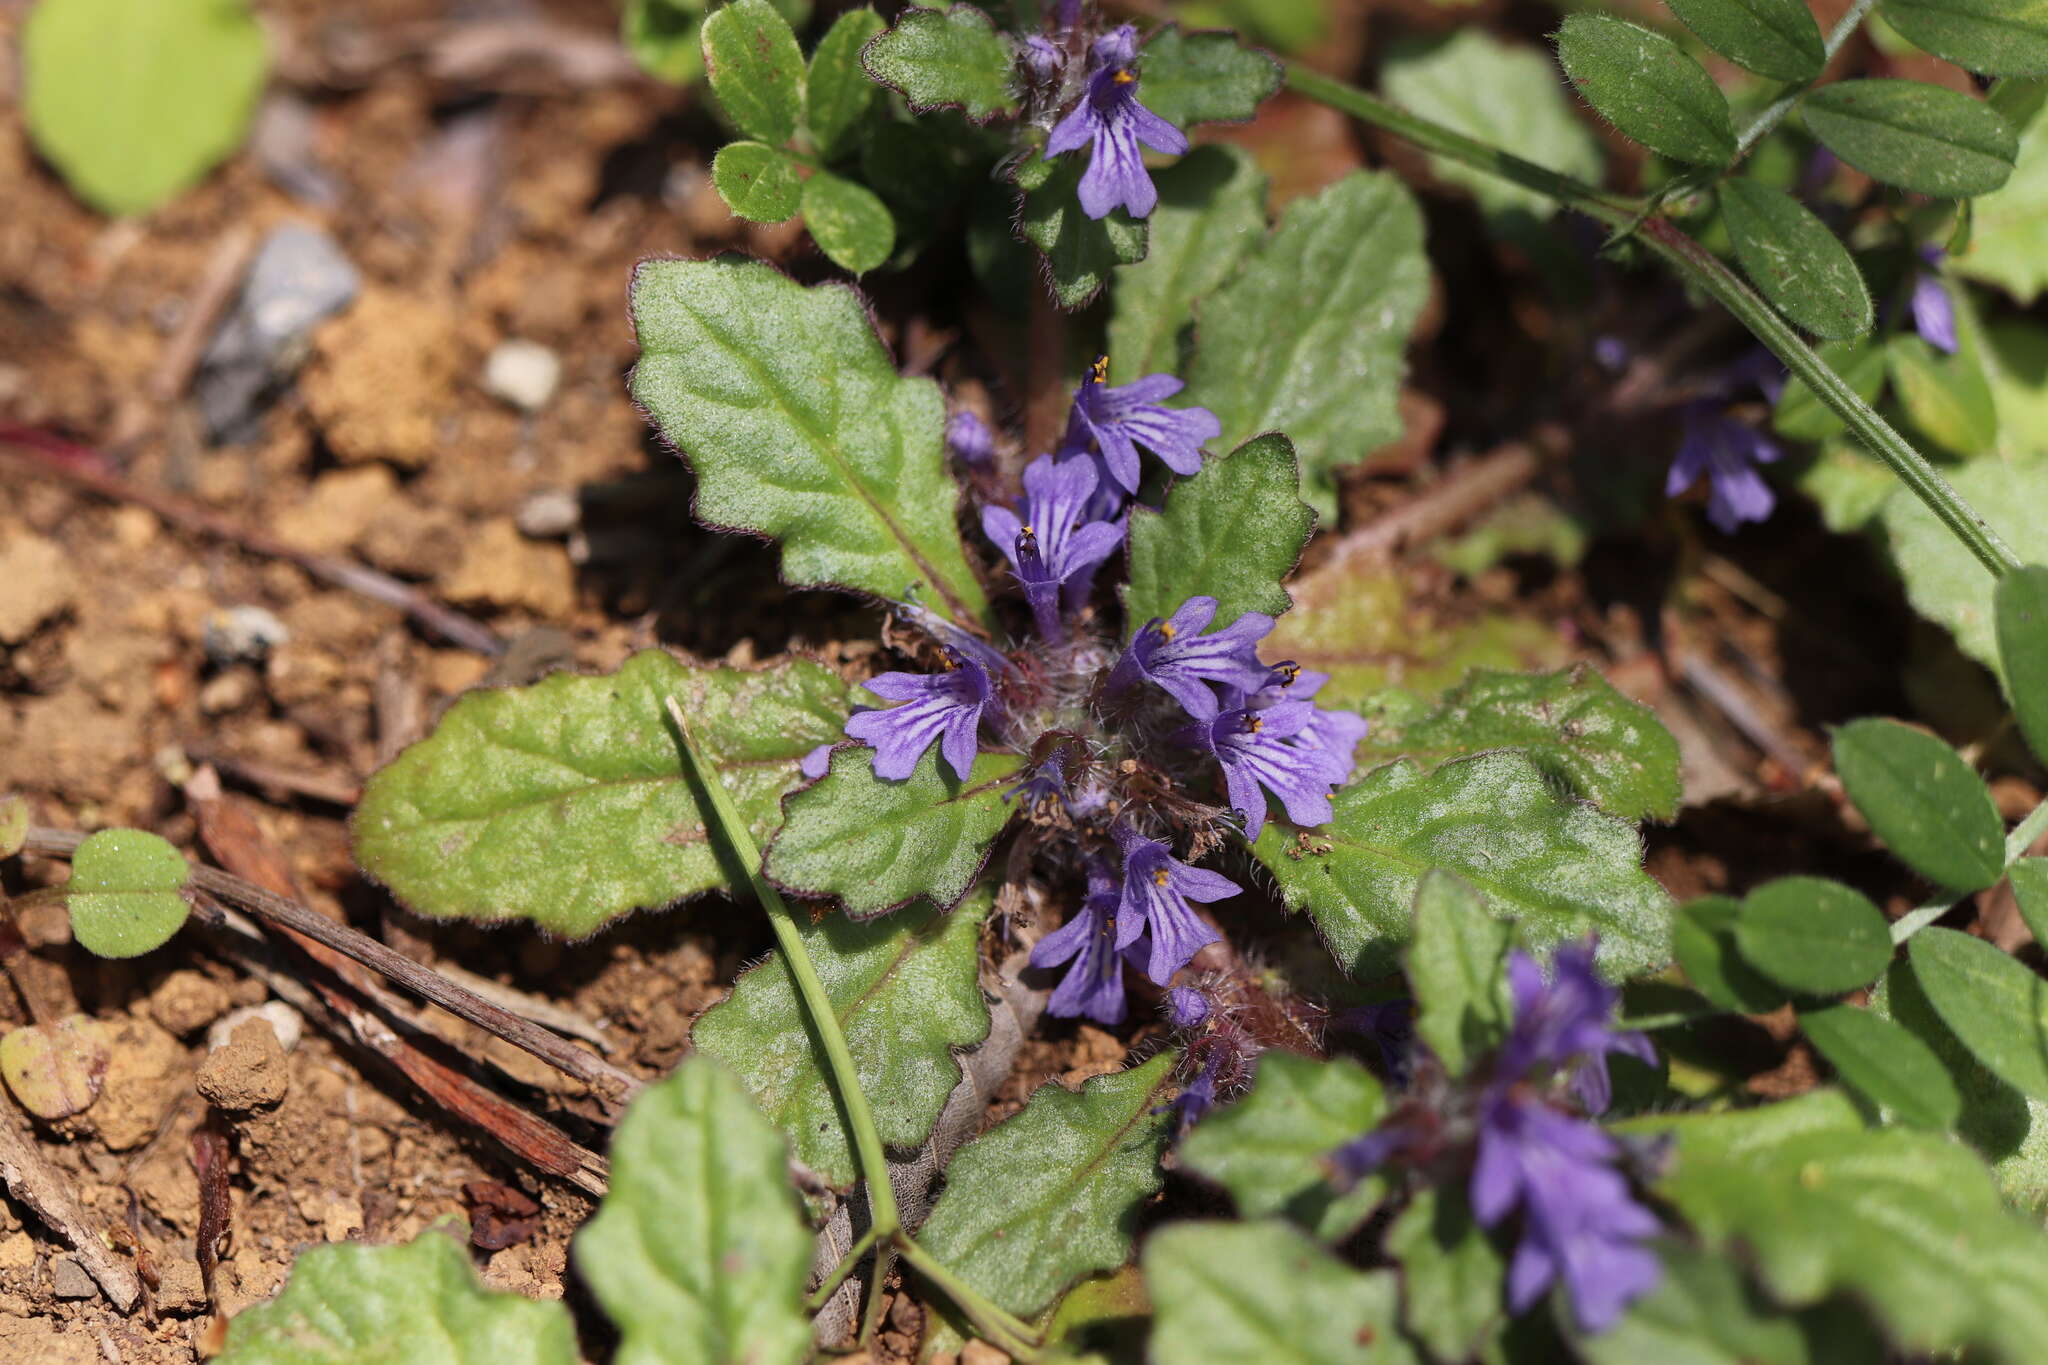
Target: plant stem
2016, 845
883, 1217
1002, 1328
822, 1295
1774, 113
1702, 268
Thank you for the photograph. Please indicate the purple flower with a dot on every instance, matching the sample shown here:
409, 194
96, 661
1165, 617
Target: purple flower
1332, 736
1265, 748
1110, 117
1052, 550
1934, 312
1565, 1021
1727, 452
945, 704
1043, 60
1186, 1006
814, 764
1157, 889
1094, 986
1176, 655
970, 439
1115, 422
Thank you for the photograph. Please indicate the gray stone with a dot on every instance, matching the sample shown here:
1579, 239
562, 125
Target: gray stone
69, 1280
298, 279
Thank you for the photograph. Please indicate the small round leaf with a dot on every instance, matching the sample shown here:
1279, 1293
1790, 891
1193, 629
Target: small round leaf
1917, 136
1703, 941
1812, 935
757, 182
124, 892
1889, 1065
1648, 88
1799, 264
1924, 801
848, 222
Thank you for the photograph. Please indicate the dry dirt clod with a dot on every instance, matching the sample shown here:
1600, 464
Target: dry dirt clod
187, 1001
981, 1353
39, 582
249, 1073
147, 1073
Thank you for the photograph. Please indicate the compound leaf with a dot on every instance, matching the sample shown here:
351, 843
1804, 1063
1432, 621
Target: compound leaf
1914, 135
1813, 935
1991, 1001
1703, 941
1774, 38
1927, 804
1996, 37
1886, 1064
1190, 78
1211, 214
124, 892
1648, 88
1798, 263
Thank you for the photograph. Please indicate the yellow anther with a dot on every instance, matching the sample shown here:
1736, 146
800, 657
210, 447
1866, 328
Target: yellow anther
1166, 631
1124, 76
1102, 369
1159, 877
1253, 724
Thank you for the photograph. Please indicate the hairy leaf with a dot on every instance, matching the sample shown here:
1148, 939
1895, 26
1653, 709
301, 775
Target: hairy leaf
1996, 37
1703, 940
1944, 581
2020, 605
1271, 1148
1813, 935
906, 992
1646, 86
838, 93
124, 892
1457, 967
1996, 1006
1774, 38
1795, 259
1927, 804
1573, 725
136, 100
877, 844
1051, 1193
1917, 136
756, 70
1886, 1064
1264, 1294
2009, 228
1450, 1274
700, 1251
1560, 869
1233, 532
565, 802
1211, 215
1190, 78
419, 1302
946, 59
758, 183
1079, 252
847, 221
800, 429
1307, 339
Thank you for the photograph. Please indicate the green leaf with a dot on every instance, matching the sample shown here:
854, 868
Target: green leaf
2030, 889
1506, 95
1995, 1004
1774, 38
951, 59
1946, 396
1996, 37
1079, 252
124, 892
1703, 940
1572, 724
136, 100
1458, 969
1233, 532
565, 802
419, 1303
877, 844
1450, 1274
56, 1070
1944, 581
1560, 869
838, 93
1812, 935
799, 428
1051, 1193
1889, 1066
1800, 416
848, 222
1917, 136
1211, 215
1706, 1311
1271, 1148
1820, 1205
1190, 78
665, 37
906, 991
1792, 256
700, 1251
757, 182
1648, 88
2009, 229
2020, 605
756, 70
1927, 804
1264, 1294
1308, 338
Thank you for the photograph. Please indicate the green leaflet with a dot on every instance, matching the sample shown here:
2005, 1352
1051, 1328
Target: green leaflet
1308, 338
1264, 1294
1572, 724
1079, 252
565, 802
1450, 1274
1211, 214
1233, 532
1917, 136
1774, 38
136, 100
1648, 88
1821, 1205
2030, 889
877, 844
756, 70
2020, 605
1457, 967
1190, 78
849, 224
1270, 1148
700, 1251
838, 94
419, 1302
1795, 259
1885, 1063
1812, 935
1995, 1005
1558, 868
1944, 581
1703, 941
1996, 37
800, 429
951, 59
907, 992
758, 183
1049, 1194
1928, 805
124, 892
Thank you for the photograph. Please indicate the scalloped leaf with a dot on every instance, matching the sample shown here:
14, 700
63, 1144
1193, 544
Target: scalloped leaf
565, 802
907, 991
1051, 1193
1211, 215
124, 892
700, 1251
1269, 1149
420, 1303
1190, 78
1707, 1311
799, 428
1308, 338
875, 844
1559, 869
946, 59
1078, 252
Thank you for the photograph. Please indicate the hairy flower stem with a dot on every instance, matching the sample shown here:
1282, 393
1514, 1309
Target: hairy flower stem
885, 1221
1700, 267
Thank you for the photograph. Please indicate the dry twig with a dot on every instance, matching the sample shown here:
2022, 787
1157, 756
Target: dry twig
42, 1188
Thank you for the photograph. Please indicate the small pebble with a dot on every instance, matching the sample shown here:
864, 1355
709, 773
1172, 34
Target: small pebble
522, 373
287, 1023
69, 1280
244, 633
549, 514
